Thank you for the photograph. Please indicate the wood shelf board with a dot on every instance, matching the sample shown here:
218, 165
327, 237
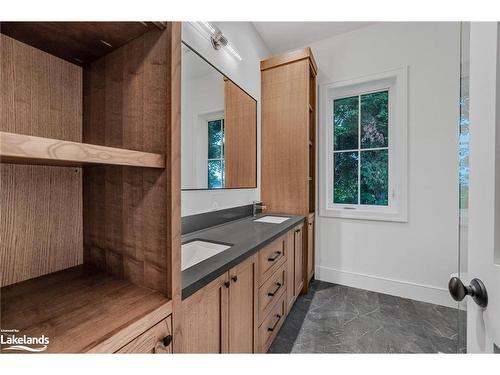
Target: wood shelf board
78, 308
77, 42
26, 149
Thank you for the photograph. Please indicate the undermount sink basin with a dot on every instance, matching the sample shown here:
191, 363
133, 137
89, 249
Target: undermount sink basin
272, 219
197, 251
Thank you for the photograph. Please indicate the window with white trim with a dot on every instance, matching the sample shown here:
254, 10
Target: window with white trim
365, 148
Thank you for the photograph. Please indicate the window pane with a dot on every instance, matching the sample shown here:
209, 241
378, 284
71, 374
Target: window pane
374, 178
345, 190
345, 123
374, 119
214, 139
215, 174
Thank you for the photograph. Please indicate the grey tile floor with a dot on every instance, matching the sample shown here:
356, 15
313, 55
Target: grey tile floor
338, 319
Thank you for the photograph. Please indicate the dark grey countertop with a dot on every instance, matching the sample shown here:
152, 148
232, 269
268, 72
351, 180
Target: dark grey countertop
246, 238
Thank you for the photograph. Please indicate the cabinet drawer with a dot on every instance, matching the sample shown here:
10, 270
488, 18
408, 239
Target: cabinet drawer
272, 323
271, 291
270, 258
157, 339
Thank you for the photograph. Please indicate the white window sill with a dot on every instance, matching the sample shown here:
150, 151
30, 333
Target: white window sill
360, 214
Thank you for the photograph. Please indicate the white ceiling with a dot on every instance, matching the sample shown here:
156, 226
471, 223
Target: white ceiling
284, 36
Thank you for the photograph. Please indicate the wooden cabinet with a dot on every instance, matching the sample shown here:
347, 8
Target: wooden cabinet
222, 317
288, 102
310, 247
242, 302
90, 159
290, 271
298, 245
205, 320
156, 340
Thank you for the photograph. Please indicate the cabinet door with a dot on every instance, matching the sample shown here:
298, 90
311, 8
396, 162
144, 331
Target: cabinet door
156, 340
290, 270
243, 306
310, 247
205, 319
298, 251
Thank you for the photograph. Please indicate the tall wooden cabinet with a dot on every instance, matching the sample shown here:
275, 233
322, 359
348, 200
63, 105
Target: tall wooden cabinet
90, 184
288, 157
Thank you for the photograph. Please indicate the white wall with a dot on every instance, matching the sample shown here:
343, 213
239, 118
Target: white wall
246, 74
413, 259
201, 96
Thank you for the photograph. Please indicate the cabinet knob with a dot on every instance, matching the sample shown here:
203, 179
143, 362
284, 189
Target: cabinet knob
167, 340
234, 278
227, 284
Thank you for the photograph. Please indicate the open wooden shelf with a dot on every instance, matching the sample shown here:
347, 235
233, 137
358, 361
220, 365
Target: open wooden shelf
25, 149
80, 309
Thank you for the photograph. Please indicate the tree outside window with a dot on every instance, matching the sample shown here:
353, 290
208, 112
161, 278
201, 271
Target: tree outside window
361, 149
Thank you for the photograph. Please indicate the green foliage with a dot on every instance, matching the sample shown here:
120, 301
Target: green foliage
374, 178
374, 119
216, 154
345, 178
374, 168
345, 129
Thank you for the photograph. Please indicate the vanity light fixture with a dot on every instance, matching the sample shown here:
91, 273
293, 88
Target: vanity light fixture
216, 37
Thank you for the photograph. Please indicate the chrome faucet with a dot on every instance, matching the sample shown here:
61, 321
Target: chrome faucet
256, 206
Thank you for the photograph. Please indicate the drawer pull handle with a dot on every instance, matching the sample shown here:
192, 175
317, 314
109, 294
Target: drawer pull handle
167, 340
227, 284
297, 230
271, 294
275, 324
276, 256
234, 278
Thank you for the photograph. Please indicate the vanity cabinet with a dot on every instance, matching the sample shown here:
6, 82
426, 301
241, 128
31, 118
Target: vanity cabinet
222, 316
242, 310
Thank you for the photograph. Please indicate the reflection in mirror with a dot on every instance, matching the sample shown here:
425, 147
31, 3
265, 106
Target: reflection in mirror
219, 129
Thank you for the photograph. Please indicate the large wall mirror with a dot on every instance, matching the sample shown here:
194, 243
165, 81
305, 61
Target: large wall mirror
219, 129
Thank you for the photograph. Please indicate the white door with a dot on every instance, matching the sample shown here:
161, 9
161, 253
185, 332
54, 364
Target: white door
483, 323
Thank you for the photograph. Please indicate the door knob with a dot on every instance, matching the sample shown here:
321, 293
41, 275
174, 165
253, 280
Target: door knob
476, 290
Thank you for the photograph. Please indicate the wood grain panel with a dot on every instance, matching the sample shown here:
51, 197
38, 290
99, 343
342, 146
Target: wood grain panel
173, 197
204, 319
285, 147
299, 259
151, 341
270, 291
77, 42
240, 131
25, 149
289, 57
290, 270
125, 209
41, 216
81, 310
272, 324
242, 309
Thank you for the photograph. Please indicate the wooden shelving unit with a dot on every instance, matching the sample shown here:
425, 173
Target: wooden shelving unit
90, 172
25, 149
289, 141
85, 309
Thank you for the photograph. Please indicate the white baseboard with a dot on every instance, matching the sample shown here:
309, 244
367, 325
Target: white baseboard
405, 289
